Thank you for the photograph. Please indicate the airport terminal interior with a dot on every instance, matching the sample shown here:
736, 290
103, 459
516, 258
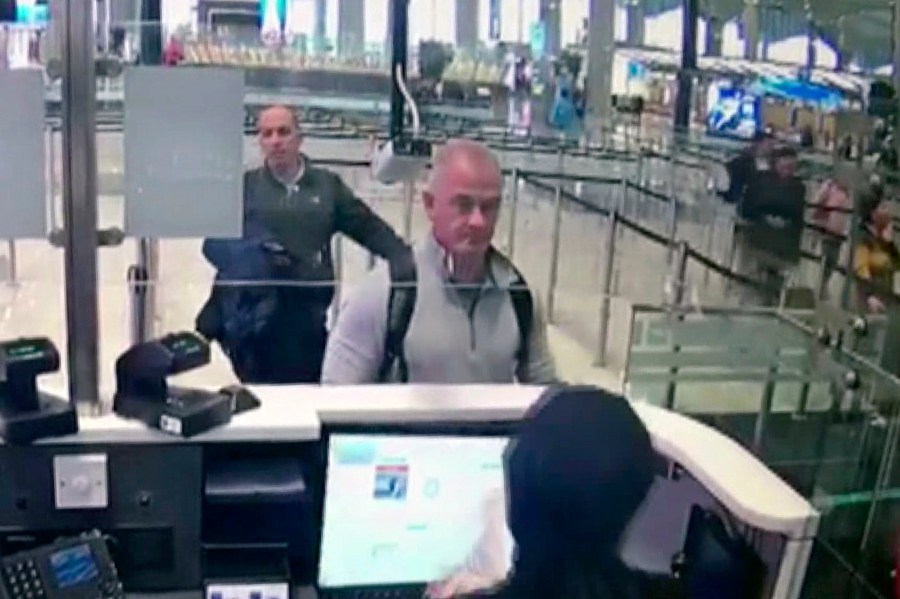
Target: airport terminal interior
286, 284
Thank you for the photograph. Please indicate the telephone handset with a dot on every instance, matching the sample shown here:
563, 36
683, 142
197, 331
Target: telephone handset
72, 568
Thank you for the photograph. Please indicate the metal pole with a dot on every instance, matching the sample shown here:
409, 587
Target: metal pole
678, 288
554, 253
710, 238
853, 240
143, 279
673, 224
79, 134
13, 266
54, 223
399, 49
338, 273
759, 428
823, 277
408, 191
607, 287
513, 209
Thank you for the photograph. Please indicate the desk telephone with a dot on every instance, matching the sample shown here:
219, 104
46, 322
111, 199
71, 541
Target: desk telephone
72, 568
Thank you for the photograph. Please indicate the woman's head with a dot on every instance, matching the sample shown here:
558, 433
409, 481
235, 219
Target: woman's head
874, 209
576, 475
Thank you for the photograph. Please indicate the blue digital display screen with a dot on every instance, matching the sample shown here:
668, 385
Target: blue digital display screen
73, 566
733, 112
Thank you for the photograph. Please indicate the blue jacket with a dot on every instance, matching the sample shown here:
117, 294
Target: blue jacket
237, 313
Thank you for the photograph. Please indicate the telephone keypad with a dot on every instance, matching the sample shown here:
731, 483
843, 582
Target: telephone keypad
24, 580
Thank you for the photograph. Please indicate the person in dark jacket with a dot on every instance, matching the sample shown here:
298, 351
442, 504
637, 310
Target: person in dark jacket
770, 231
576, 475
292, 209
746, 165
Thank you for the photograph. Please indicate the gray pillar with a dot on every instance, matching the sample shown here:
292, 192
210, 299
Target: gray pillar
601, 49
550, 14
715, 32
79, 160
466, 24
351, 27
320, 27
635, 18
751, 29
690, 18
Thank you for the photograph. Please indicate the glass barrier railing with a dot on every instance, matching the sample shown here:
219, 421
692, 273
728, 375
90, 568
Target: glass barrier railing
791, 387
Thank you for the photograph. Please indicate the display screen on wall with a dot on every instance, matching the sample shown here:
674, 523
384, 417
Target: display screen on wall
32, 12
732, 112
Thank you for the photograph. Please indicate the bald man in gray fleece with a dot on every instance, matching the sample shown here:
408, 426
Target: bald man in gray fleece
464, 327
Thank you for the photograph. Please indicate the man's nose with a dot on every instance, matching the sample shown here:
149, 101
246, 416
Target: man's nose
477, 218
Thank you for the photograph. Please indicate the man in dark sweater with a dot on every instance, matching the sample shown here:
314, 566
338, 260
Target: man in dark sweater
275, 332
744, 167
771, 228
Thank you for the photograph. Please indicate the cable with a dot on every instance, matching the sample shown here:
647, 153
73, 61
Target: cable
409, 100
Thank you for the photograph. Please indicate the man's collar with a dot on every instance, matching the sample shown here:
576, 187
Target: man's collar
301, 171
498, 273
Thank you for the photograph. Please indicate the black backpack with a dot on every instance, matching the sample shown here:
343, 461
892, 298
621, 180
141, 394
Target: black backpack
402, 302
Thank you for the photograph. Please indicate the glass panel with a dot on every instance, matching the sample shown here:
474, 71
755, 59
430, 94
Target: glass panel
32, 296
823, 418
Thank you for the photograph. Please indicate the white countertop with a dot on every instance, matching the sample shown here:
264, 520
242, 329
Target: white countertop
744, 485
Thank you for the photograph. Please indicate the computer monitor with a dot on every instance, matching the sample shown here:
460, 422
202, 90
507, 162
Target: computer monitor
405, 509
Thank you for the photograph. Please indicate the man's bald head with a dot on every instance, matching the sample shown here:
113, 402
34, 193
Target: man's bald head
463, 156
463, 197
279, 140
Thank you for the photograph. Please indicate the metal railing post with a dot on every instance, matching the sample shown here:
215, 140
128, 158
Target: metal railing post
823, 277
679, 283
554, 253
143, 278
13, 262
607, 287
513, 211
673, 224
408, 192
338, 274
51, 166
710, 238
79, 155
759, 428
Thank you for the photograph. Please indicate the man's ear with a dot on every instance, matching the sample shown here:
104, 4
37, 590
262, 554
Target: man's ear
427, 200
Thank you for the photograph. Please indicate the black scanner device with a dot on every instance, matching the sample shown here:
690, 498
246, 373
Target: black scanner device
143, 392
27, 414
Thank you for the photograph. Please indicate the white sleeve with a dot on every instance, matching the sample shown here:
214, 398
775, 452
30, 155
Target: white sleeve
355, 347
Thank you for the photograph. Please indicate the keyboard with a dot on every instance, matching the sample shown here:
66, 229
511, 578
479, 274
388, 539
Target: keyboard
405, 592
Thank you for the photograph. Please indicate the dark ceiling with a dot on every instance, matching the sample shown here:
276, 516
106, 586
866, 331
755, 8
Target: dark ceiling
861, 28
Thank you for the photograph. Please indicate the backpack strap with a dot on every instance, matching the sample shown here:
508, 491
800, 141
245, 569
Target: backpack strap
523, 305
401, 302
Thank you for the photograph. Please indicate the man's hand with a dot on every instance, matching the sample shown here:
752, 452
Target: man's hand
875, 305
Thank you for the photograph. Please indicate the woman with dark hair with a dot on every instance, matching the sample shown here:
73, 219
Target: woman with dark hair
575, 476
876, 259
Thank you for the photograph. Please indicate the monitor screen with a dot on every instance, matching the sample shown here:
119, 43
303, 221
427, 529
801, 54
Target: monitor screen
732, 112
404, 509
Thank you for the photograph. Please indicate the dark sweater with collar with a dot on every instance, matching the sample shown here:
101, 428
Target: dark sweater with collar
304, 217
